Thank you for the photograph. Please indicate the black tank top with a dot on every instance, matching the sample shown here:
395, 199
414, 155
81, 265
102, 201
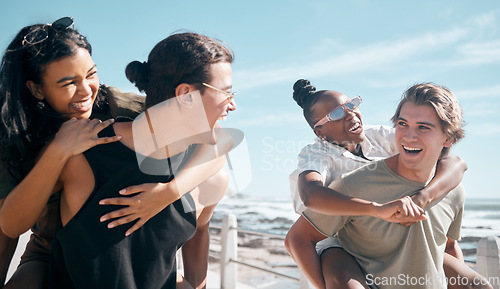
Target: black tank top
86, 254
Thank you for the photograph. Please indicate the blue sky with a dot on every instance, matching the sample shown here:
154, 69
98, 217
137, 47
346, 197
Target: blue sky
375, 49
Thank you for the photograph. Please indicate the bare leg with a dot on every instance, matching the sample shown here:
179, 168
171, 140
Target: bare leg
341, 270
460, 275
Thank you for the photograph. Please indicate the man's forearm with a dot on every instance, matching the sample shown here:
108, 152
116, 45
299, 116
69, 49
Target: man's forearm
195, 258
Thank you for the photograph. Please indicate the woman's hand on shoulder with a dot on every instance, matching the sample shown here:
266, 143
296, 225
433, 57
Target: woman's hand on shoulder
142, 202
78, 135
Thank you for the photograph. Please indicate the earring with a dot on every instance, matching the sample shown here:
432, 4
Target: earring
40, 104
324, 141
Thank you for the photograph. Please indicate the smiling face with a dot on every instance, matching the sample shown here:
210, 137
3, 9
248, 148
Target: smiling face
420, 139
69, 85
347, 131
217, 104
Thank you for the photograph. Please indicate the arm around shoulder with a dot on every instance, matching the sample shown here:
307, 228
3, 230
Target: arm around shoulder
26, 201
330, 202
449, 174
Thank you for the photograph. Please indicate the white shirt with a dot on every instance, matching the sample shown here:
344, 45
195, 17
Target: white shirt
332, 160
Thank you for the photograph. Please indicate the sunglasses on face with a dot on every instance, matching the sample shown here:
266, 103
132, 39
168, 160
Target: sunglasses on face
340, 111
40, 34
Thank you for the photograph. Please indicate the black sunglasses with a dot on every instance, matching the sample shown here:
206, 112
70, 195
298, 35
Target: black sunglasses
41, 34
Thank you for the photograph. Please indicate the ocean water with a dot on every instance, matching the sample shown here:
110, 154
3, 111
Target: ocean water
275, 215
256, 213
481, 218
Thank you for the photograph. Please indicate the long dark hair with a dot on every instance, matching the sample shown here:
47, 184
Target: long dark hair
179, 58
26, 122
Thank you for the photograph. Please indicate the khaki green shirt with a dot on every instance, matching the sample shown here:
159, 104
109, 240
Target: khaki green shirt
392, 255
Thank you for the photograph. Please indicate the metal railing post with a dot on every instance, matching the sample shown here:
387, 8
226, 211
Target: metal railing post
229, 251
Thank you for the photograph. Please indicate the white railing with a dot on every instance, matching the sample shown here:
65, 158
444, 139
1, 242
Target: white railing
229, 254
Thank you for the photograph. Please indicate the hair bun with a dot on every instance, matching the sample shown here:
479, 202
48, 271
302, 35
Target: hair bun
302, 90
137, 73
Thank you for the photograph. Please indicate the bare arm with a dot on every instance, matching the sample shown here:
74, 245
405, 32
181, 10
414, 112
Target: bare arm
330, 202
26, 201
449, 173
205, 162
327, 201
195, 251
300, 242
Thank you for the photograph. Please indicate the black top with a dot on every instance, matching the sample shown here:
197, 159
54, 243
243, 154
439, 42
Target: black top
124, 104
86, 254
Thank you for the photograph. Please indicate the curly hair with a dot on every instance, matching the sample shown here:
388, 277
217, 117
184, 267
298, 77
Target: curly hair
26, 122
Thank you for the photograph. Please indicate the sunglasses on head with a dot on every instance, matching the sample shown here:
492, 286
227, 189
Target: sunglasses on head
40, 34
340, 111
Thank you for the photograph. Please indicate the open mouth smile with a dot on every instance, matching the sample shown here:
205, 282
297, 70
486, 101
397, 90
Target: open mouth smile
82, 105
355, 128
411, 150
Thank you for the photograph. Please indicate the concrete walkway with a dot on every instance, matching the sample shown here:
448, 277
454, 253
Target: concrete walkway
213, 281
